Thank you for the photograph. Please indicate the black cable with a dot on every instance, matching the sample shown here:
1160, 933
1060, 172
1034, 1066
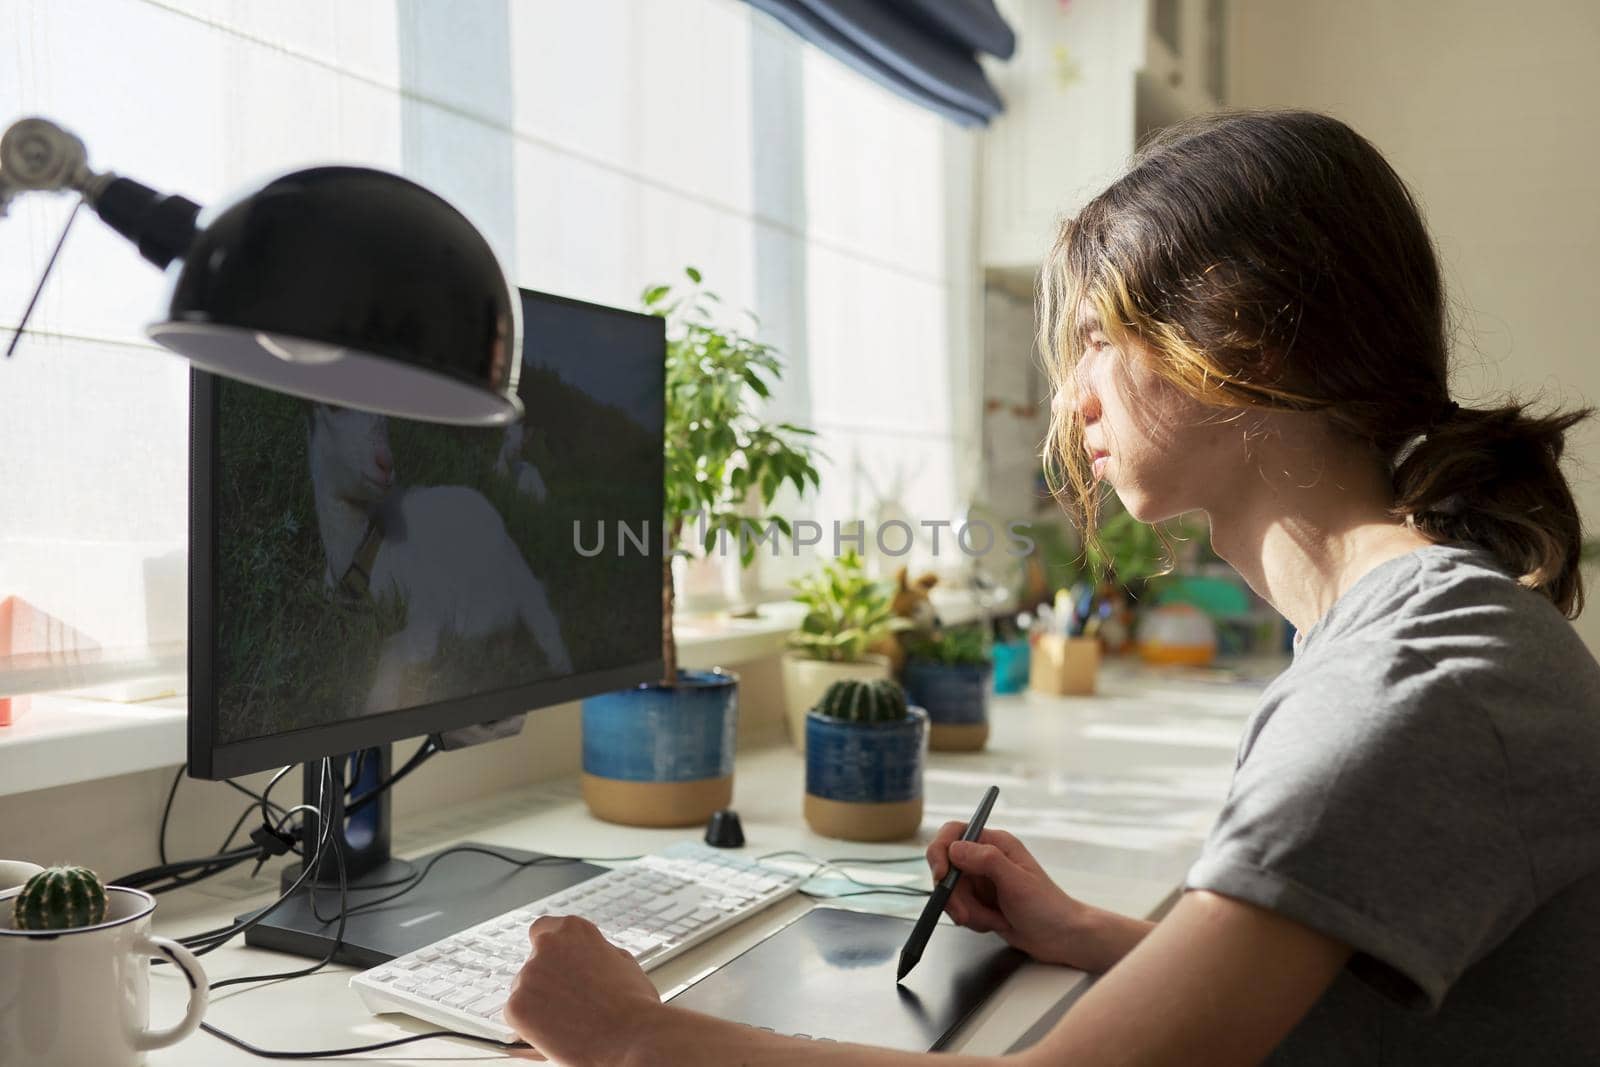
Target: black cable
417, 878
252, 794
211, 940
213, 867
418, 758
180, 881
144, 878
225, 858
187, 872
212, 943
166, 813
266, 793
361, 765
325, 840
209, 865
317, 1054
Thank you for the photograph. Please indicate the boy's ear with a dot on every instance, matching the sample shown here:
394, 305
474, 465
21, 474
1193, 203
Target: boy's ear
927, 581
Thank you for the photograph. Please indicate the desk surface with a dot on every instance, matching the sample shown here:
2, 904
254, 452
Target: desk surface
1113, 793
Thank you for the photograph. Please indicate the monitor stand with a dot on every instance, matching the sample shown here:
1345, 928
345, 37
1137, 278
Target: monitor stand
461, 890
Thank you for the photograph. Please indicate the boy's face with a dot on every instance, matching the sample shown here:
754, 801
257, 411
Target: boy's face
1162, 451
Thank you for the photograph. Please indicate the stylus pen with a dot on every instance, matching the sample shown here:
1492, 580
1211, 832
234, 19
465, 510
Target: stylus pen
912, 953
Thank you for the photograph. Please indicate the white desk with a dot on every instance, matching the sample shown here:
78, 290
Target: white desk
1113, 793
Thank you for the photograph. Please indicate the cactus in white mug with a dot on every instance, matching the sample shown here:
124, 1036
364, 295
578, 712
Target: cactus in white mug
60, 898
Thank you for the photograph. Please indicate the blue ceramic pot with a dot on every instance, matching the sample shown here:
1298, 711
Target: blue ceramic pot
866, 763
954, 694
957, 698
654, 734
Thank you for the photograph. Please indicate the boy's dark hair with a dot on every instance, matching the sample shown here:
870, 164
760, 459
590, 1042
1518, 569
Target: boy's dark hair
1274, 259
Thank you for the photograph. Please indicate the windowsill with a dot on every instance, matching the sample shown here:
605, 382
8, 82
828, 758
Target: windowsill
64, 739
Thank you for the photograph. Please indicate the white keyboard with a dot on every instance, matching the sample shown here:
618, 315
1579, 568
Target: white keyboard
655, 907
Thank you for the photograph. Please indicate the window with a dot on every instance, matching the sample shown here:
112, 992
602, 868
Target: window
599, 146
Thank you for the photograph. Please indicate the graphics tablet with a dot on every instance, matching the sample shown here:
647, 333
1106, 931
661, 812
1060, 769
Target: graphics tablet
829, 976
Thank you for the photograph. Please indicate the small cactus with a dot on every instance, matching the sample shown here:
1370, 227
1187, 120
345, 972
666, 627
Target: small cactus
60, 898
853, 700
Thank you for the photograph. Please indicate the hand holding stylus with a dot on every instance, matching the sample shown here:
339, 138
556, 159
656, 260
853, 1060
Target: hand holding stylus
941, 891
1003, 889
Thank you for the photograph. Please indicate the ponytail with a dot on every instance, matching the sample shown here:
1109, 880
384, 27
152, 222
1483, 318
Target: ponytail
1492, 476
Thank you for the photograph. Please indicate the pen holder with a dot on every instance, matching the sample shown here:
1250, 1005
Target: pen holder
1063, 666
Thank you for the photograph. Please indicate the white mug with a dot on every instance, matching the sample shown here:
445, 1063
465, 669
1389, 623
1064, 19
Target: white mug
82, 996
13, 873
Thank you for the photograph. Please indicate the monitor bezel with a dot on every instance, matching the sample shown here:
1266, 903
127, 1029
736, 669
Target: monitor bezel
212, 758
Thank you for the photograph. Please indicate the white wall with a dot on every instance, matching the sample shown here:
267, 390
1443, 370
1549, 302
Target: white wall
600, 146
1488, 111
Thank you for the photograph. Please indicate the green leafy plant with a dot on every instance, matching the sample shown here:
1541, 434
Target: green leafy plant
846, 611
957, 646
856, 700
721, 456
1134, 554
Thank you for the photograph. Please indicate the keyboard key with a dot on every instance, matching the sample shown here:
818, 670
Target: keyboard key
460, 998
675, 910
488, 1005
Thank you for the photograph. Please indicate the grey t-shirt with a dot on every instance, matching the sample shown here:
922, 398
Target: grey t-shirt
1423, 783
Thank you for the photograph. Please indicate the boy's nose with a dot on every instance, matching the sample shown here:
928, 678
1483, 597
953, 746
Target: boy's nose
1079, 399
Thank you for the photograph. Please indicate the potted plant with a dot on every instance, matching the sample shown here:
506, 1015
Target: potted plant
1133, 561
847, 612
865, 753
662, 754
950, 674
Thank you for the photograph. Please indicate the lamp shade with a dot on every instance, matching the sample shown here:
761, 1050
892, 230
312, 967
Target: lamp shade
354, 287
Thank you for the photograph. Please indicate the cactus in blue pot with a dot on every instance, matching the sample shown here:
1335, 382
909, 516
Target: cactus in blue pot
858, 700
865, 751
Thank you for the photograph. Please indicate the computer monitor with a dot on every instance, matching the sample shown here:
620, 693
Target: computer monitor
357, 579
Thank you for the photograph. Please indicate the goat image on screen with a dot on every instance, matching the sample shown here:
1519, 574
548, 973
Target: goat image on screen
366, 564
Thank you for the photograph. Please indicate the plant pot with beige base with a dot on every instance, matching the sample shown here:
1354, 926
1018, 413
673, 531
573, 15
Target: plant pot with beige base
865, 754
951, 674
658, 755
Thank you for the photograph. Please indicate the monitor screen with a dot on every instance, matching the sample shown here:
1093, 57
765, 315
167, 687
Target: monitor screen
357, 579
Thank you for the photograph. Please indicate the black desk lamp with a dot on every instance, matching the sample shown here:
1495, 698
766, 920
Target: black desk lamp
342, 284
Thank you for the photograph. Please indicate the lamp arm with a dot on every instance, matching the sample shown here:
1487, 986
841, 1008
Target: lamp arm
36, 155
